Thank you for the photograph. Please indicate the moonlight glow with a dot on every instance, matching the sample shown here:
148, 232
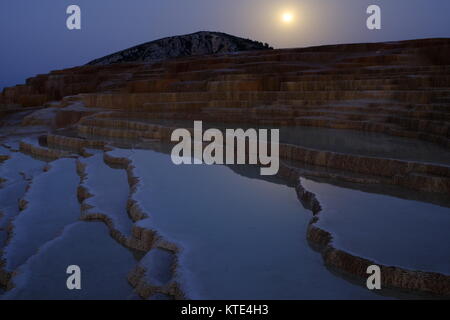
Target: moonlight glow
287, 17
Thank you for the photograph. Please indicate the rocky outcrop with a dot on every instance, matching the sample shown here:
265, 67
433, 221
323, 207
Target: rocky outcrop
199, 43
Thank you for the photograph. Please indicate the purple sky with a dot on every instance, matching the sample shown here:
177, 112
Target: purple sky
35, 38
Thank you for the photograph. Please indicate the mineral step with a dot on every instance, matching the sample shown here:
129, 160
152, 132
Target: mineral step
138, 101
418, 122
406, 218
57, 187
345, 141
433, 131
109, 190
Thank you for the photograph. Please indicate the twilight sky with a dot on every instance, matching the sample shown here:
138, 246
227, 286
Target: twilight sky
35, 39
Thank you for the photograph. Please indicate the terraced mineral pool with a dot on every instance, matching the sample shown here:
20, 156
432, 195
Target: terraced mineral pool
20, 166
16, 172
362, 143
47, 236
104, 265
9, 198
109, 189
242, 238
389, 230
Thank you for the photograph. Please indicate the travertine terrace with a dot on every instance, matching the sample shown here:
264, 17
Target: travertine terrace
395, 89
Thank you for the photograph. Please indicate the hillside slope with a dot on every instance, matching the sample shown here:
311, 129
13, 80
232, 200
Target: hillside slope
199, 43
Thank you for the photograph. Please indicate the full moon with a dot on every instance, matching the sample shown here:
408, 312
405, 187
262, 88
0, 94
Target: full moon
287, 17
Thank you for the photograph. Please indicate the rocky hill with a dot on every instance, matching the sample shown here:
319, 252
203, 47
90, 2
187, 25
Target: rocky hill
199, 43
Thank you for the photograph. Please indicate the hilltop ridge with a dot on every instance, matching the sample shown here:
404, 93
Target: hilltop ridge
194, 44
